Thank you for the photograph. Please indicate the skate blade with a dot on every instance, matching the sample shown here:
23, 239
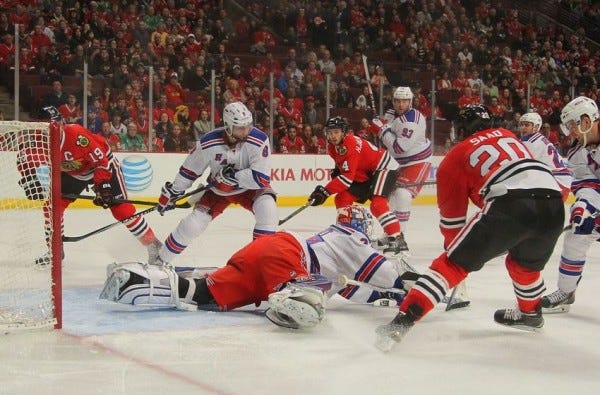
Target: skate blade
385, 303
525, 328
556, 310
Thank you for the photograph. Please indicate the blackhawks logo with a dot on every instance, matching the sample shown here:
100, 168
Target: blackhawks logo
341, 149
82, 141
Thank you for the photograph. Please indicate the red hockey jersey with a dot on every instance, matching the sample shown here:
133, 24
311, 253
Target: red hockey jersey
485, 165
356, 159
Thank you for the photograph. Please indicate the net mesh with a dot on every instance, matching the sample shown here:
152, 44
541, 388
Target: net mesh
26, 299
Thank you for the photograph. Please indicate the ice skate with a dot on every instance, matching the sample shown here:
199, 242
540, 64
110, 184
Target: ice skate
517, 319
390, 334
558, 302
153, 251
392, 244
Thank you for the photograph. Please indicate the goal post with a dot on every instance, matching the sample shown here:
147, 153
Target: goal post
30, 231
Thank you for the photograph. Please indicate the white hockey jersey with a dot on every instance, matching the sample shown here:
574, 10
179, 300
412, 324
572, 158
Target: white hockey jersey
251, 159
543, 150
405, 137
340, 250
584, 163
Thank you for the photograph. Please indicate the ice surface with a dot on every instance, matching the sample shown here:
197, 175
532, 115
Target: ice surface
113, 349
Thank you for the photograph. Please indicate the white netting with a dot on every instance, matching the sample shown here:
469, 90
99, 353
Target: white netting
26, 299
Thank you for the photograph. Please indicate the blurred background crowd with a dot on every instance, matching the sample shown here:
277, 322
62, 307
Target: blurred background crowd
159, 72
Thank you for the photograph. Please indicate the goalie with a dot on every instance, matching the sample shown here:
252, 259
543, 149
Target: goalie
295, 275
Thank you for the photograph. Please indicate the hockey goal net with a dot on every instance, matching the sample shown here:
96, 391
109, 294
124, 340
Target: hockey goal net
30, 237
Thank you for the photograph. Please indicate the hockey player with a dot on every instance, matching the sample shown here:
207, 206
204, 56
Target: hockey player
239, 158
86, 160
362, 172
294, 274
521, 212
544, 151
403, 133
579, 118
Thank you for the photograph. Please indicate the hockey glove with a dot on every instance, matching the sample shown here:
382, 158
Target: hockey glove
335, 172
168, 197
104, 196
319, 195
584, 218
225, 179
33, 188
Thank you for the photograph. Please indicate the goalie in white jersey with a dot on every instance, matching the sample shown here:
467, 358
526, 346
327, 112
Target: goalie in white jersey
579, 118
543, 150
239, 159
294, 274
403, 132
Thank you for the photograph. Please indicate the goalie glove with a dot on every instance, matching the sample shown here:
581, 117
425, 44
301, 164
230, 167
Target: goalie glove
168, 197
225, 180
319, 195
584, 218
32, 187
104, 196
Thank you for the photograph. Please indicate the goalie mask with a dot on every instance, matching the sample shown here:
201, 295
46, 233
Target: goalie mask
471, 119
357, 218
238, 121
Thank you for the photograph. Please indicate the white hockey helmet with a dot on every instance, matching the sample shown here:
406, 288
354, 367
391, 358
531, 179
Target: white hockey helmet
357, 218
403, 93
236, 114
534, 118
570, 116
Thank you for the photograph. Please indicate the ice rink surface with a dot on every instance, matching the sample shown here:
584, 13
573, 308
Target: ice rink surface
113, 349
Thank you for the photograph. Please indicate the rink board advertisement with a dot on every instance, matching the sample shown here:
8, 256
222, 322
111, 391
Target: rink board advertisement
293, 177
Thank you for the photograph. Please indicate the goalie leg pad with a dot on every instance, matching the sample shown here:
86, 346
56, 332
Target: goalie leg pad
143, 285
296, 306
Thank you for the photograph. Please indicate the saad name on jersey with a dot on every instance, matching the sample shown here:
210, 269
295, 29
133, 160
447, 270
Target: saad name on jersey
482, 138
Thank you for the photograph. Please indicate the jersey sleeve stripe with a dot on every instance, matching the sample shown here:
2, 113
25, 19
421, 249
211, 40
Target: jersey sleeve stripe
369, 267
261, 179
187, 174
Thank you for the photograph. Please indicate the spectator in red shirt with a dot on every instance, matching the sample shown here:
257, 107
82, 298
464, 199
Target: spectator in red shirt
174, 92
291, 114
291, 143
71, 111
468, 98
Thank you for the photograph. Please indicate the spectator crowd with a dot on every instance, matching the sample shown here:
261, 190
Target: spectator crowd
492, 51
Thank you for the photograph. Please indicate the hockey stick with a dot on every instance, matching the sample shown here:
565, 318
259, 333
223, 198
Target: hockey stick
296, 212
368, 77
452, 302
140, 202
416, 184
70, 239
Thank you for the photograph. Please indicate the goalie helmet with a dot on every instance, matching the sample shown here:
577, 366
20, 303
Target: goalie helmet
471, 119
534, 118
357, 218
570, 116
